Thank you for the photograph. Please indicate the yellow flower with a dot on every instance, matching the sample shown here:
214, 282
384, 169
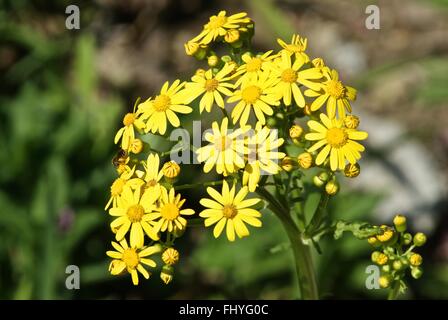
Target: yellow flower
127, 133
225, 150
133, 212
219, 25
297, 47
211, 87
253, 66
256, 94
336, 140
230, 211
169, 212
171, 169
262, 155
118, 185
290, 75
132, 259
156, 111
334, 93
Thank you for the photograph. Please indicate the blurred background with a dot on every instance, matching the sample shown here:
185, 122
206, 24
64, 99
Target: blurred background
63, 93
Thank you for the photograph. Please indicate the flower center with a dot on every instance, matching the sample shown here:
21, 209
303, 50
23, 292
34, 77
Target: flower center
251, 94
253, 65
229, 211
216, 22
223, 143
337, 137
130, 257
211, 84
335, 89
135, 213
161, 102
128, 119
289, 75
169, 211
117, 187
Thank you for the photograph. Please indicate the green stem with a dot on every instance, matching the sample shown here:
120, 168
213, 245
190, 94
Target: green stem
302, 253
318, 216
201, 184
394, 291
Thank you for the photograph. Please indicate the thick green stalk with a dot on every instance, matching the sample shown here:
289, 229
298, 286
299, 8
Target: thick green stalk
302, 253
394, 291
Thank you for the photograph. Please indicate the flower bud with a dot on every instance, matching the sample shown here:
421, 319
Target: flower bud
352, 170
407, 239
332, 187
397, 265
136, 146
287, 164
415, 259
419, 239
400, 223
170, 256
416, 272
213, 61
374, 256
351, 122
171, 169
305, 160
226, 59
384, 282
373, 241
232, 36
295, 131
386, 268
382, 259
320, 179
199, 72
191, 48
167, 274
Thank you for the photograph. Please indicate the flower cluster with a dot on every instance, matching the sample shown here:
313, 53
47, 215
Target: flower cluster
276, 115
395, 253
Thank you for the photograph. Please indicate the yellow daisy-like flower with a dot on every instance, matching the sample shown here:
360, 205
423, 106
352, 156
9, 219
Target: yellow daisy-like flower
132, 259
127, 133
336, 140
334, 93
118, 185
133, 212
230, 211
253, 66
225, 150
257, 94
290, 75
212, 88
219, 25
164, 106
262, 155
152, 174
297, 47
169, 212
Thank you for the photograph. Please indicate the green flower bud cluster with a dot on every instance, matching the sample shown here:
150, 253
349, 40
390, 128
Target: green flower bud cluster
395, 252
